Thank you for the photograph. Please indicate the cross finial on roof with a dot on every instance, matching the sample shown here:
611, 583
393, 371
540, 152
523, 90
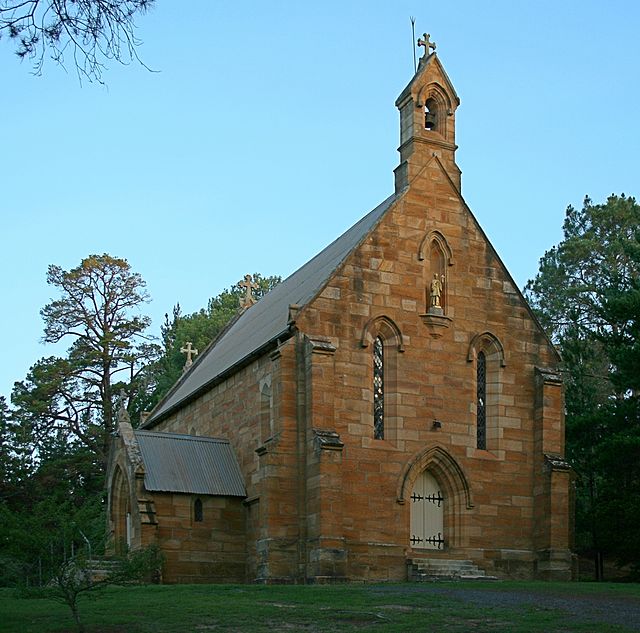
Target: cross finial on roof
189, 351
424, 41
121, 405
249, 286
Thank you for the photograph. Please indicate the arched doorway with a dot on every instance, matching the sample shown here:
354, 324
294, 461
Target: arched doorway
435, 472
121, 513
427, 513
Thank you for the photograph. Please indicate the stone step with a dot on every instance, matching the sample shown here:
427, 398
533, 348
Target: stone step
433, 569
446, 565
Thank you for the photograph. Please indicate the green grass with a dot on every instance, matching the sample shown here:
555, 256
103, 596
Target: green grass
392, 608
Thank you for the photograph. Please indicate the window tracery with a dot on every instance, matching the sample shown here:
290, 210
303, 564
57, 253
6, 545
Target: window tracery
487, 355
378, 389
481, 401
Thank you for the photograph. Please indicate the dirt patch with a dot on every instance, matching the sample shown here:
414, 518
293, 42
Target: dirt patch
621, 610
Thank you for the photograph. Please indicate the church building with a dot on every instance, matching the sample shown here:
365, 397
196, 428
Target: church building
392, 404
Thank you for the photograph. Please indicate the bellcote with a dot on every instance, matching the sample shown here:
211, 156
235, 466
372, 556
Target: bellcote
427, 121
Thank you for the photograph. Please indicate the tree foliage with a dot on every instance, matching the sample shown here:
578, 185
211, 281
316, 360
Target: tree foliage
72, 399
587, 294
55, 438
51, 506
13, 464
89, 32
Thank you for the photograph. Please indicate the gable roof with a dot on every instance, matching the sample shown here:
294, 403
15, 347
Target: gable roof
268, 320
434, 60
189, 464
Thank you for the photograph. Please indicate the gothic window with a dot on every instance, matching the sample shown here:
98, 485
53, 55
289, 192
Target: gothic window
266, 412
481, 400
487, 355
198, 515
383, 340
378, 389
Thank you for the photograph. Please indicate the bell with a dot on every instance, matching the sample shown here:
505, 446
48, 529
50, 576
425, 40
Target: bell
429, 120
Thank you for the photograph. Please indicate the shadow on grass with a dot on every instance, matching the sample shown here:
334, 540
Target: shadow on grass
393, 608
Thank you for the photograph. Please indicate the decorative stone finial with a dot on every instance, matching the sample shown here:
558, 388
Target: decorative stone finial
249, 286
424, 41
189, 351
121, 406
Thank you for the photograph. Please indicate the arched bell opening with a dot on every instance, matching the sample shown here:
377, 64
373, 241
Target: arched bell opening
434, 102
431, 115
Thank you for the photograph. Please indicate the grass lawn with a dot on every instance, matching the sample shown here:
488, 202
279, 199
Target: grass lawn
384, 608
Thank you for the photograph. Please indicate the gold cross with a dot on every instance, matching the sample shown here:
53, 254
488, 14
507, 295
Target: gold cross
189, 351
248, 300
424, 41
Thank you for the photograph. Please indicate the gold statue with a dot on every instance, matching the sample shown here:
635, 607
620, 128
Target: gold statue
437, 285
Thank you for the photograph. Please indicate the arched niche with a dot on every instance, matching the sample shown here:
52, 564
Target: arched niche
435, 252
440, 240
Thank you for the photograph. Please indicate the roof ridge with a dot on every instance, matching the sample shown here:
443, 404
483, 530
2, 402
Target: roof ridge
268, 320
180, 436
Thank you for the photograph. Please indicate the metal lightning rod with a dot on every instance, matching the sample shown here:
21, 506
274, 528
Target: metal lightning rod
413, 42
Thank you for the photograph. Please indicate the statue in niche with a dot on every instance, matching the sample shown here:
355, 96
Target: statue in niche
437, 285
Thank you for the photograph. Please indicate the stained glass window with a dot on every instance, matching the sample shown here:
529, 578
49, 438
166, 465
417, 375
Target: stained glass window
481, 403
378, 389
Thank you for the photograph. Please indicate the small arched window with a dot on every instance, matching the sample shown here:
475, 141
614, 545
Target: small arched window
378, 389
266, 409
198, 515
481, 400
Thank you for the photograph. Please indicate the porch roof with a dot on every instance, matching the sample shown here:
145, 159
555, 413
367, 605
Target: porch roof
189, 464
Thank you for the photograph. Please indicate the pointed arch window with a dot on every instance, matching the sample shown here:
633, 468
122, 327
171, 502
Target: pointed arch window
481, 400
383, 340
378, 389
198, 513
487, 355
266, 412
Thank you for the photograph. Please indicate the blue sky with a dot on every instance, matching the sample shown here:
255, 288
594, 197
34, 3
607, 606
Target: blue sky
269, 128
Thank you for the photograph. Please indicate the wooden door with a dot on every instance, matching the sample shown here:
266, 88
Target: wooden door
427, 514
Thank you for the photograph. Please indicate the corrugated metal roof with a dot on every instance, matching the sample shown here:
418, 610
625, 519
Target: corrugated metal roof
267, 320
190, 464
